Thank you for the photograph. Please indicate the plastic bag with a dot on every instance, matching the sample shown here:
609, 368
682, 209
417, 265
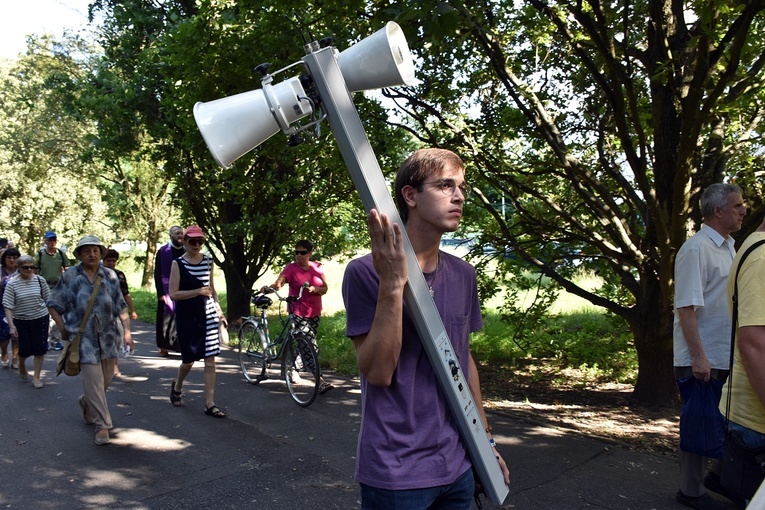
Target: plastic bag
702, 425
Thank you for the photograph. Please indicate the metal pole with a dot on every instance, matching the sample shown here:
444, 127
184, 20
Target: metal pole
366, 174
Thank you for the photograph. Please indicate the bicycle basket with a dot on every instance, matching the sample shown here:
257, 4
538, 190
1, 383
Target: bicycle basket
261, 300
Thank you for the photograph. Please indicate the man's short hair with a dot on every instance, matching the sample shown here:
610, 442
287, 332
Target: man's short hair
716, 195
111, 253
417, 168
175, 229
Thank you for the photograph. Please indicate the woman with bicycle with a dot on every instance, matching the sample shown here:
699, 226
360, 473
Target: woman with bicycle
308, 309
198, 316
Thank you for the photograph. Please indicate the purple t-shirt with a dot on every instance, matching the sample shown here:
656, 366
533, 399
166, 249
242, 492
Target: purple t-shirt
408, 439
310, 304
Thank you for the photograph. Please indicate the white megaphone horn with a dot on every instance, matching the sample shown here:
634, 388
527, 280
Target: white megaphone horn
233, 126
378, 61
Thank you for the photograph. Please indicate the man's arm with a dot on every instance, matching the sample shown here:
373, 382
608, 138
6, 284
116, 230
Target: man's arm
378, 351
699, 362
751, 347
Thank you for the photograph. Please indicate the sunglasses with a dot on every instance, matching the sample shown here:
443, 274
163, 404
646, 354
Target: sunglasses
27, 267
301, 252
196, 242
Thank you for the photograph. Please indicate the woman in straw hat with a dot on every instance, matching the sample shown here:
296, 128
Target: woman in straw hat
100, 340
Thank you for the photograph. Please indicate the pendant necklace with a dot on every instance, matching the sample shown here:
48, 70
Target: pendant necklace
433, 279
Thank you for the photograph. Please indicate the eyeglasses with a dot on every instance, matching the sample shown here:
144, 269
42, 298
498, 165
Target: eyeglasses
448, 187
27, 267
196, 242
301, 252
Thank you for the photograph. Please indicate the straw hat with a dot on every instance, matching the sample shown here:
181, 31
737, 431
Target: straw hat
89, 241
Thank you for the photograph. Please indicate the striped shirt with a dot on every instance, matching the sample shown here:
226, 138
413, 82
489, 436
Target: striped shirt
27, 297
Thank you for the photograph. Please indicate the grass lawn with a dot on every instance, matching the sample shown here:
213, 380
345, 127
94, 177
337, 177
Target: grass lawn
577, 335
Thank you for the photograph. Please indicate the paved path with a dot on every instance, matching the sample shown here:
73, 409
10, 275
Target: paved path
269, 454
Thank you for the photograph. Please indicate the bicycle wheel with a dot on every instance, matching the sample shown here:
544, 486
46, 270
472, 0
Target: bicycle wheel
301, 370
251, 359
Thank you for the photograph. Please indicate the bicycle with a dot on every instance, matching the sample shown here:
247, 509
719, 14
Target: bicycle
257, 352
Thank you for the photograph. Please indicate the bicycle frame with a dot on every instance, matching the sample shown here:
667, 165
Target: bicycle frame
257, 352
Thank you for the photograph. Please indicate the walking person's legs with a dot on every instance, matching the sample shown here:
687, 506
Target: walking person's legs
210, 408
176, 388
95, 381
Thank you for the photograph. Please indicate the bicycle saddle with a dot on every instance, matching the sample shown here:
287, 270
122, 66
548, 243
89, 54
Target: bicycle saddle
261, 300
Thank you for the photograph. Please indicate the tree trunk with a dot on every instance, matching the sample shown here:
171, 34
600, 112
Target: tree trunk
651, 326
152, 240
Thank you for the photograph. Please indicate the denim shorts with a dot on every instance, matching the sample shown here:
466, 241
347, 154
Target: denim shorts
749, 437
455, 496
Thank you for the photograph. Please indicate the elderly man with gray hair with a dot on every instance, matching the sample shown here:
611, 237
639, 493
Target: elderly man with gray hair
702, 322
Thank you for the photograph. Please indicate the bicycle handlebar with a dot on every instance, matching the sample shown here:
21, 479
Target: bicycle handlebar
288, 299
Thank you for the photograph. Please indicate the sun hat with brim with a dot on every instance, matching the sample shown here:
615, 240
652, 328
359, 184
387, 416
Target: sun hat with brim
89, 241
193, 231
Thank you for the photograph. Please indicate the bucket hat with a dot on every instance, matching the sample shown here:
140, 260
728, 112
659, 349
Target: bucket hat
89, 241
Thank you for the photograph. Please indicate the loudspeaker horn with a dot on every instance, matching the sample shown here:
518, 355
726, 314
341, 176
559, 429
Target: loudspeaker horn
378, 61
233, 126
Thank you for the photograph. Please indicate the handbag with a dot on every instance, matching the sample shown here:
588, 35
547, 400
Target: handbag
69, 359
743, 468
223, 332
702, 425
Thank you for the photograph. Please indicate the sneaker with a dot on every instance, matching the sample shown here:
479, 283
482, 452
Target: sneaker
6, 362
703, 502
325, 387
37, 383
57, 346
712, 483
15, 363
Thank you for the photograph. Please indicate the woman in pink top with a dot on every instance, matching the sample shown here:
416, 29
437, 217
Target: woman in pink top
308, 309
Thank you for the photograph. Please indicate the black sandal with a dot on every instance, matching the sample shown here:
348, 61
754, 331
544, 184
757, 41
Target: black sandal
214, 411
175, 396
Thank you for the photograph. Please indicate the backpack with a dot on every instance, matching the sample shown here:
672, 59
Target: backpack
60, 254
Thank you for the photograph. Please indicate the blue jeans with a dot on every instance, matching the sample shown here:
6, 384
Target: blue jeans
455, 496
749, 437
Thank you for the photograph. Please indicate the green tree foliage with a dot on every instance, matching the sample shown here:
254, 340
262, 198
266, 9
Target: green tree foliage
599, 123
43, 180
169, 55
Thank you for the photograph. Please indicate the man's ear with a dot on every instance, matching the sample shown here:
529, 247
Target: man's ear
409, 193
